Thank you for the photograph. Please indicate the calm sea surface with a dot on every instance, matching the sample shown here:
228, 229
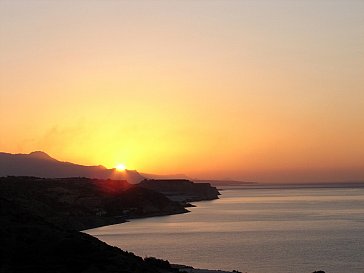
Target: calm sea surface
257, 231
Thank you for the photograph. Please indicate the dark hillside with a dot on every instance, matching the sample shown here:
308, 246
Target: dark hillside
82, 203
181, 189
31, 244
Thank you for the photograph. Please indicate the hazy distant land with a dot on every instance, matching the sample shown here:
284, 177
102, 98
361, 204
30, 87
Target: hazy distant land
40, 164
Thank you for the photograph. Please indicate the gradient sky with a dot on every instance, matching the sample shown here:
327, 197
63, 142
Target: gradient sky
269, 91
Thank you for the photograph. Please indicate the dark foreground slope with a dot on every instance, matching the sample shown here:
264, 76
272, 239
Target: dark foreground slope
181, 189
31, 244
82, 203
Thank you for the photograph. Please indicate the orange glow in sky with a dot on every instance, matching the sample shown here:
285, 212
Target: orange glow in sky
253, 90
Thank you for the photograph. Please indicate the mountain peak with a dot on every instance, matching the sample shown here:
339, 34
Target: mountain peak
40, 155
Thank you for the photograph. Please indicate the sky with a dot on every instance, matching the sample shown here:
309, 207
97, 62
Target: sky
267, 91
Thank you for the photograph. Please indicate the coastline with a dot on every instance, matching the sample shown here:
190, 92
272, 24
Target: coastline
44, 222
122, 221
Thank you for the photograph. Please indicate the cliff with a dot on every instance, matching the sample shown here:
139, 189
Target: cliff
182, 190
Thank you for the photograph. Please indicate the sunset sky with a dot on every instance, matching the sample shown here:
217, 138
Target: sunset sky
269, 91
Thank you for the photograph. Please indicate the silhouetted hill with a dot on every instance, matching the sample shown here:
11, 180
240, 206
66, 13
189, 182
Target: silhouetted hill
181, 189
83, 203
40, 164
41, 155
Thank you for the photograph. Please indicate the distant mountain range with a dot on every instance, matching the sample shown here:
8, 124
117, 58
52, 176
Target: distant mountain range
40, 164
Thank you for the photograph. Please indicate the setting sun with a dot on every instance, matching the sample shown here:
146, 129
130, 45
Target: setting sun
120, 167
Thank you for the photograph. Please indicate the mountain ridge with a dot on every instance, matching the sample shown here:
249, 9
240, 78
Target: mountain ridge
40, 164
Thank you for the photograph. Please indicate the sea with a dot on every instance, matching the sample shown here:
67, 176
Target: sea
256, 230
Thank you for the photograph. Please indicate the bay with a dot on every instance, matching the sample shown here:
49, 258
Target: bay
256, 230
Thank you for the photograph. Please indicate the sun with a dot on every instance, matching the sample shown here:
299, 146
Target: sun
120, 167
